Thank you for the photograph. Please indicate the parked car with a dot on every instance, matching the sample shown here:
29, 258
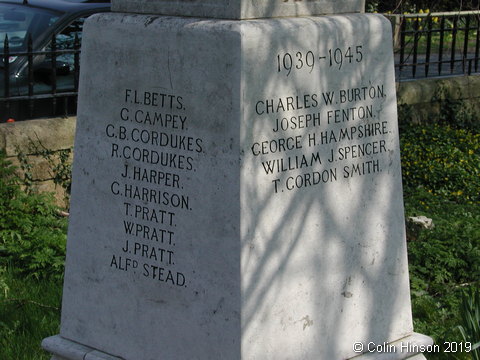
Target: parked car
51, 73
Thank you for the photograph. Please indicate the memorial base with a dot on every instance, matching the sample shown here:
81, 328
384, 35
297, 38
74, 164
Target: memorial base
64, 349
407, 348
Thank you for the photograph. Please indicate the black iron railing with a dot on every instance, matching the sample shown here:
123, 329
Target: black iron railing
43, 83
436, 44
39, 83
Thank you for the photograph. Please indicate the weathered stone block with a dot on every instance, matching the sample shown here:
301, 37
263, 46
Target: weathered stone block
238, 9
237, 190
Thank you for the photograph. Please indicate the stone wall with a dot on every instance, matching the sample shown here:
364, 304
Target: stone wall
40, 143
423, 97
428, 99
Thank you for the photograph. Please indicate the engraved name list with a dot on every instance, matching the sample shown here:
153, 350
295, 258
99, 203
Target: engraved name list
322, 137
150, 142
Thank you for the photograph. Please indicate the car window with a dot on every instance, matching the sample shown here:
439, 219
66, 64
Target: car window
18, 21
65, 40
65, 44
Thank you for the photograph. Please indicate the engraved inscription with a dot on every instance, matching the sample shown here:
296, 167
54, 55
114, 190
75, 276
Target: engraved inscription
150, 144
335, 58
325, 136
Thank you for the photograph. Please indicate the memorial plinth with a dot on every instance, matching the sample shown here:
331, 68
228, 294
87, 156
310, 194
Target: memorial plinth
236, 193
239, 9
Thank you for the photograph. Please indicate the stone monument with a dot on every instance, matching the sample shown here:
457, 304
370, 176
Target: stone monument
236, 186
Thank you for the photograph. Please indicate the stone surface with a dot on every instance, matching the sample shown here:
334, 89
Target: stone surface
238, 9
425, 99
406, 348
422, 221
26, 136
64, 349
237, 190
32, 139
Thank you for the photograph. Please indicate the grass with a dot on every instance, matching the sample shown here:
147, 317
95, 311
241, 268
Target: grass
32, 249
29, 312
441, 169
444, 266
